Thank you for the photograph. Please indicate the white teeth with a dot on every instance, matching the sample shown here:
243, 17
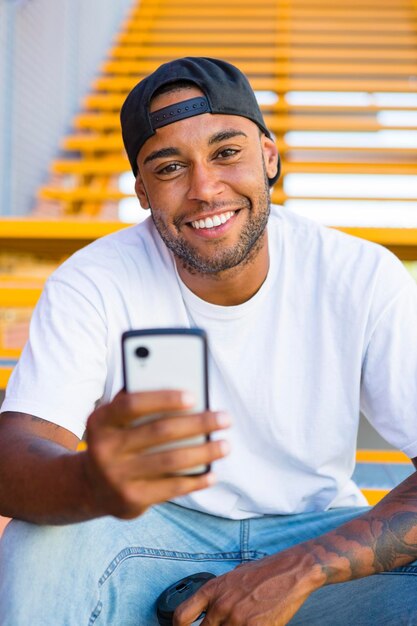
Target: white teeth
216, 220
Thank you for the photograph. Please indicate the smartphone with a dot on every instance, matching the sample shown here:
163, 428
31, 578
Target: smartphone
168, 358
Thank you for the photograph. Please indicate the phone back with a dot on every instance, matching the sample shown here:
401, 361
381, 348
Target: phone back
168, 358
173, 359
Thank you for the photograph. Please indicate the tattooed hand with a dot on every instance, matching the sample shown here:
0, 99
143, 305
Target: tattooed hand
271, 590
262, 593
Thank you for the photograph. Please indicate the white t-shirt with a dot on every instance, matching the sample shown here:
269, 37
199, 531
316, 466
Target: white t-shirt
332, 331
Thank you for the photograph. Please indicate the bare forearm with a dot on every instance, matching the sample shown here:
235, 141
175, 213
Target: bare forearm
378, 541
271, 590
42, 482
122, 473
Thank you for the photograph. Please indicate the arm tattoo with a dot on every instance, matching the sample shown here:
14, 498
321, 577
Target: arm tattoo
380, 540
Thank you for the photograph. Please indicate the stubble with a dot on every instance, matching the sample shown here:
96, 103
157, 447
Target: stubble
221, 258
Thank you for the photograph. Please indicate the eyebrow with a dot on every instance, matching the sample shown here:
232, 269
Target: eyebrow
223, 135
160, 154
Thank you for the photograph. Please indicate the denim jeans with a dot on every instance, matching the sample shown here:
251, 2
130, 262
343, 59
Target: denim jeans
111, 572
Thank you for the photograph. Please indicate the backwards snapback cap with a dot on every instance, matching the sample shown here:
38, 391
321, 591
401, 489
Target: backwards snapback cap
226, 90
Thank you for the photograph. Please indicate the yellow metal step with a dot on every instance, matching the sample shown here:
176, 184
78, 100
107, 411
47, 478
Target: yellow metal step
202, 10
59, 228
15, 294
159, 39
346, 167
110, 121
81, 194
377, 4
384, 236
93, 142
250, 24
236, 53
276, 68
91, 166
381, 456
374, 495
5, 373
282, 85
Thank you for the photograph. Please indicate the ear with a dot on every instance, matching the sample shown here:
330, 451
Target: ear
141, 193
270, 153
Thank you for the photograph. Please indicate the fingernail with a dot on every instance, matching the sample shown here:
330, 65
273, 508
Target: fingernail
211, 479
187, 398
223, 419
224, 447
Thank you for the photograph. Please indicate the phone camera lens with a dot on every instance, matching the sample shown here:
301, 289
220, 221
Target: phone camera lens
142, 352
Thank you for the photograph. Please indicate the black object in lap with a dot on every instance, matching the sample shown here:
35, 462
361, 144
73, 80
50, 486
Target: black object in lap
177, 593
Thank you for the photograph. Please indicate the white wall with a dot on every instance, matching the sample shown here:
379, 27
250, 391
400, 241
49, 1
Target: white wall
49, 53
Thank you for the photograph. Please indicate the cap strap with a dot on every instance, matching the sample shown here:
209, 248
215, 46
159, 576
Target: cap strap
179, 111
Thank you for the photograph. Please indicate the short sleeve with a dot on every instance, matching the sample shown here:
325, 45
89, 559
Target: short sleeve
61, 374
389, 373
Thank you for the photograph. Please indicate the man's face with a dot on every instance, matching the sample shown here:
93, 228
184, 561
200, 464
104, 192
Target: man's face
205, 180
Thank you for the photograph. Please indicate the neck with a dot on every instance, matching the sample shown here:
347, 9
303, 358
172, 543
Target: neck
233, 286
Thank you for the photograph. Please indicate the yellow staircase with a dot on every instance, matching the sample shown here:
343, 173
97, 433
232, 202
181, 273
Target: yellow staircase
287, 48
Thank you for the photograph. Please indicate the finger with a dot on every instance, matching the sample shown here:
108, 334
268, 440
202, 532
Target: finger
161, 490
127, 407
168, 462
169, 429
191, 609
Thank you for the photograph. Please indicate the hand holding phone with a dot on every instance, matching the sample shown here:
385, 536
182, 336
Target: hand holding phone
149, 446
169, 358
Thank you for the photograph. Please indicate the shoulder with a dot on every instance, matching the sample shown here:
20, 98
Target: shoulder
299, 228
131, 250
111, 269
337, 258
106, 250
312, 236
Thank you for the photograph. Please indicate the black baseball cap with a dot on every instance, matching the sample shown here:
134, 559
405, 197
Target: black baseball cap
226, 90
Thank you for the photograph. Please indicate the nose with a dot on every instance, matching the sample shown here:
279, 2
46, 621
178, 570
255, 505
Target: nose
204, 183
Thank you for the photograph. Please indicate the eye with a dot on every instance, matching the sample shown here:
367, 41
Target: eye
171, 168
226, 153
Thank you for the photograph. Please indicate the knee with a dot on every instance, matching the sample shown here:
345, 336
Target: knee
27, 549
44, 568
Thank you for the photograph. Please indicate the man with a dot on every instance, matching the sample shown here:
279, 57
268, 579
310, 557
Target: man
306, 326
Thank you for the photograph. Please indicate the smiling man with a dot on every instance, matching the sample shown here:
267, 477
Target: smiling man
306, 326
210, 196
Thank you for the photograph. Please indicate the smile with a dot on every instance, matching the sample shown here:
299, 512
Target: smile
212, 222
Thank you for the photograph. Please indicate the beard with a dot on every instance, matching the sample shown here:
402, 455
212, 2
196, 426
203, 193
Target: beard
221, 258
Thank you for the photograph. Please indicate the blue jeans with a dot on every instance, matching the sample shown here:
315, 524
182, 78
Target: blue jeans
111, 572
